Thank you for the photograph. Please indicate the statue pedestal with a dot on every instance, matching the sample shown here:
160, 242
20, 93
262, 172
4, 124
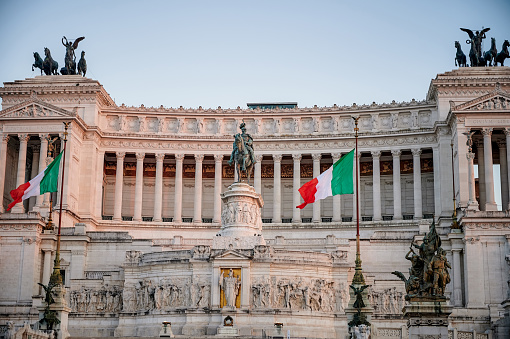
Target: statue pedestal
428, 318
241, 222
227, 331
166, 330
61, 312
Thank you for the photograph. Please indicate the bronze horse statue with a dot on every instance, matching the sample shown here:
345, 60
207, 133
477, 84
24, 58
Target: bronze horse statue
50, 66
491, 53
242, 159
38, 63
503, 54
460, 57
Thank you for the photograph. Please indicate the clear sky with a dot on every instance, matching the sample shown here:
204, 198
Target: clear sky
228, 53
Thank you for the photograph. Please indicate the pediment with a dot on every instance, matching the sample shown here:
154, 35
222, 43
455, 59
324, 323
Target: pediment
497, 100
230, 255
35, 108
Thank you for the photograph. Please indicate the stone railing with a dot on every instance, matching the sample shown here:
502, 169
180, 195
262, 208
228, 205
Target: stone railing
26, 332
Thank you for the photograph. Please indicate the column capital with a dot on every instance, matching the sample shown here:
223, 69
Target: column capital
478, 142
470, 155
316, 156
376, 154
258, 157
297, 157
5, 138
23, 137
120, 155
487, 131
416, 152
396, 153
199, 157
160, 157
179, 157
36, 148
218, 157
140, 156
44, 137
336, 156
277, 157
507, 131
501, 143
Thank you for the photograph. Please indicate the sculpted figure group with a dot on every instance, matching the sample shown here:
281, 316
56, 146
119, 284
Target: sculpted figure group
476, 56
428, 275
50, 67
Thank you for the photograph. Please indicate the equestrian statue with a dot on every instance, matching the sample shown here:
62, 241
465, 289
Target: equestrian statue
242, 154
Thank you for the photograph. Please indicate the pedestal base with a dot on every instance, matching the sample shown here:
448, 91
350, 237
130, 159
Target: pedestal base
427, 318
166, 330
228, 331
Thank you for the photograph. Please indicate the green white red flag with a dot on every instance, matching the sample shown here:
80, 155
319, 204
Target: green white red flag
338, 179
46, 181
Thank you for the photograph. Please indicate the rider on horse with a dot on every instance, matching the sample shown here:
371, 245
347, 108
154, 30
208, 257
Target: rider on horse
248, 143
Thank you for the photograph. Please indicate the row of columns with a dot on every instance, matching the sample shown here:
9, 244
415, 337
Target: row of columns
277, 188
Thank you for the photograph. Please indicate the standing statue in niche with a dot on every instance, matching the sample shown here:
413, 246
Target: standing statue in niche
70, 59
230, 286
242, 153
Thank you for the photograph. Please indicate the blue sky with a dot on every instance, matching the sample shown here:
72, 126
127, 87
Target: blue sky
228, 53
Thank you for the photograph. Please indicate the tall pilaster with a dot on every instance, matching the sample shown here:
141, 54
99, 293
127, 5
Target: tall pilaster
376, 158
337, 207
257, 179
20, 177
46, 266
437, 181
158, 188
277, 191
397, 190
3, 159
316, 212
296, 183
507, 134
119, 186
137, 216
218, 173
480, 156
503, 170
418, 214
490, 205
472, 203
42, 163
457, 283
35, 170
99, 184
197, 215
179, 158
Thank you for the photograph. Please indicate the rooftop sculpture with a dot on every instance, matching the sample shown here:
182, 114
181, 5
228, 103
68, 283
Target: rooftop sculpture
476, 56
50, 66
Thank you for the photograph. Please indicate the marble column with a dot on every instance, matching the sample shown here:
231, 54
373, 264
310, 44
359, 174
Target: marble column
296, 183
257, 179
277, 191
99, 185
158, 188
337, 202
119, 186
137, 216
197, 211
316, 212
179, 158
507, 134
376, 158
42, 163
472, 203
46, 267
397, 190
3, 159
457, 283
20, 178
418, 213
437, 181
35, 170
481, 173
503, 170
490, 204
218, 175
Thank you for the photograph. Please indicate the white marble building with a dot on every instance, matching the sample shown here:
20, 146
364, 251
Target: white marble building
138, 244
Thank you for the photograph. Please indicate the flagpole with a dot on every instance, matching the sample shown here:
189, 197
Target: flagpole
358, 274
56, 277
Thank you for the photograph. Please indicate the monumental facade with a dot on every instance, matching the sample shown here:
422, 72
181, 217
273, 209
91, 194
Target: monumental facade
151, 221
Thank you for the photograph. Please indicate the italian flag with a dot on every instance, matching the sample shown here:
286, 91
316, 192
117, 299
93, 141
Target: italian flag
46, 181
338, 179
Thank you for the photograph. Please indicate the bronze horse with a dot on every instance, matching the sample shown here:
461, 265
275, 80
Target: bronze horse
491, 53
38, 62
50, 66
503, 54
242, 159
460, 57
